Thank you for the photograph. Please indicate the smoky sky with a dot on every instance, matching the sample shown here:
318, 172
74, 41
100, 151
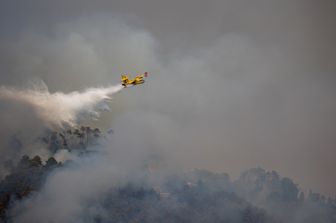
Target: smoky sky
234, 84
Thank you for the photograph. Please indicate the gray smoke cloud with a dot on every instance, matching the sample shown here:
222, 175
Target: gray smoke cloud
234, 84
28, 110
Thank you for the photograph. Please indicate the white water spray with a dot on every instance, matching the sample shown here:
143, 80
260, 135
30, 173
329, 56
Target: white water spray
59, 109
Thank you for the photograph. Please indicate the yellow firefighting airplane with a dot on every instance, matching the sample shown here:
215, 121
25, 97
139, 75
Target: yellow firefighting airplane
139, 79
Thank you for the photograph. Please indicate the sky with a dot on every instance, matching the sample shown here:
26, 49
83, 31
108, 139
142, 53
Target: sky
234, 84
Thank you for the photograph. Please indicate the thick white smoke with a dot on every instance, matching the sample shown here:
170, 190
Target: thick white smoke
59, 109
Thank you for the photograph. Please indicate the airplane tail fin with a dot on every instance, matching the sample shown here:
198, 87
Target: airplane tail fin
124, 79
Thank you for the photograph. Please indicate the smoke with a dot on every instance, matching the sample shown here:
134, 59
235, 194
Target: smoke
83, 53
85, 180
231, 89
247, 100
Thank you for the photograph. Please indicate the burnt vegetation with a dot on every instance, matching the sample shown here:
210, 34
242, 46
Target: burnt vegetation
77, 139
26, 178
257, 196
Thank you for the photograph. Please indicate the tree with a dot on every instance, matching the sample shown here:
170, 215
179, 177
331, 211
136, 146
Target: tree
51, 162
36, 161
